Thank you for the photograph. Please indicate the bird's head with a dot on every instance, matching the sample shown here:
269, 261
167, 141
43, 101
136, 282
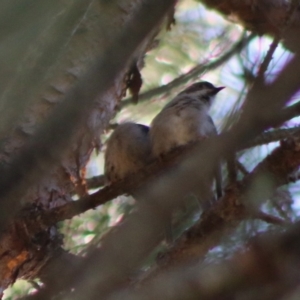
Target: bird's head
203, 91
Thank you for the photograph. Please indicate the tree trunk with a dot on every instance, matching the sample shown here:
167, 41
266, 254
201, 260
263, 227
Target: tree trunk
60, 43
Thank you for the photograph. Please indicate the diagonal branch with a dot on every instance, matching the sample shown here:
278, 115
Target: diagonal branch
264, 138
193, 73
132, 182
227, 213
267, 60
269, 266
273, 136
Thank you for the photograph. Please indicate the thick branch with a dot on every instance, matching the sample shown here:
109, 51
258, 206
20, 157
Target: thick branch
95, 182
288, 113
273, 136
267, 60
264, 138
110, 192
269, 260
231, 209
227, 213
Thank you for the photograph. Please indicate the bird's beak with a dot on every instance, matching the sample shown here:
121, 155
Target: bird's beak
218, 89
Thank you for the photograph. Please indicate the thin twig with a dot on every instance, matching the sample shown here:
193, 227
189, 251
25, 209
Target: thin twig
264, 65
282, 201
288, 113
273, 136
196, 71
241, 168
95, 182
270, 219
232, 168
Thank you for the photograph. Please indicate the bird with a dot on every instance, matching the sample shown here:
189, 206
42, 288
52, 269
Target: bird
185, 119
128, 150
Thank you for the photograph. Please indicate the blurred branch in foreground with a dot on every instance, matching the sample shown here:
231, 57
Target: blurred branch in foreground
263, 271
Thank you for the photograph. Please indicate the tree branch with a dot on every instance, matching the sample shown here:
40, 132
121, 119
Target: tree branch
227, 213
95, 182
273, 136
288, 113
69, 210
268, 261
230, 211
195, 72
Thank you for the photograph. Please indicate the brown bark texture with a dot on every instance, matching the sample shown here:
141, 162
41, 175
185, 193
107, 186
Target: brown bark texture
42, 62
271, 17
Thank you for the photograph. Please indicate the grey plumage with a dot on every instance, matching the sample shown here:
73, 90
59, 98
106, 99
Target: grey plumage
128, 150
183, 120
186, 119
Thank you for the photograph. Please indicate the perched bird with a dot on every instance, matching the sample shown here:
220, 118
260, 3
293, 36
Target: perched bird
186, 119
128, 150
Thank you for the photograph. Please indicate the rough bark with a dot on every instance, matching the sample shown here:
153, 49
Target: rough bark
273, 17
52, 61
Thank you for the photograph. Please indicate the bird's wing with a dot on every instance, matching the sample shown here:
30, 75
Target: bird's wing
218, 171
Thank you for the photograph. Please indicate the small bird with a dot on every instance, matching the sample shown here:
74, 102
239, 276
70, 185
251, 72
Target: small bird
128, 150
186, 119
